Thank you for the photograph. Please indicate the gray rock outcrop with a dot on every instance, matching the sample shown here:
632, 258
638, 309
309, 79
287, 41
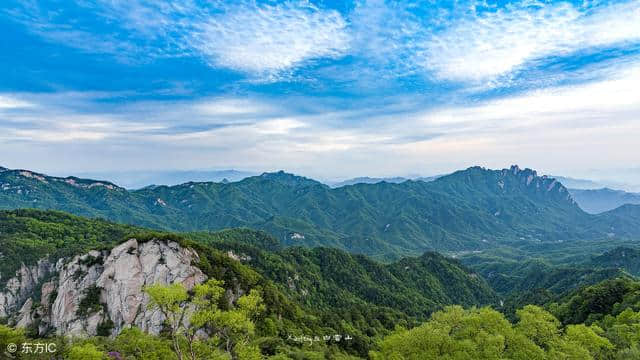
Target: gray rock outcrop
101, 291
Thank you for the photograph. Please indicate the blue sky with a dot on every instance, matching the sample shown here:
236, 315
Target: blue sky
330, 89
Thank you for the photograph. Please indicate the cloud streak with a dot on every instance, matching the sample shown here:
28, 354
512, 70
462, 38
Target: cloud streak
498, 43
586, 125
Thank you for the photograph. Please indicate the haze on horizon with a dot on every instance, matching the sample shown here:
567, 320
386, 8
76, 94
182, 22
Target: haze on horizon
326, 89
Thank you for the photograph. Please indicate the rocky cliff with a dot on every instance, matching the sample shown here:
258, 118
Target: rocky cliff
98, 293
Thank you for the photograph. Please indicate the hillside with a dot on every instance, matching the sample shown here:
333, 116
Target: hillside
27, 236
621, 257
334, 280
328, 285
304, 291
473, 209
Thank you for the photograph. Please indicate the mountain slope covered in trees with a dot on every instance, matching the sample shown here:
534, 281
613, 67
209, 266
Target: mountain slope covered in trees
328, 291
341, 291
471, 209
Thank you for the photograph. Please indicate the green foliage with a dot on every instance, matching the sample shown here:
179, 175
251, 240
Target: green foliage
300, 291
10, 336
86, 352
90, 303
188, 315
515, 273
356, 295
30, 235
455, 333
626, 258
592, 303
623, 331
138, 345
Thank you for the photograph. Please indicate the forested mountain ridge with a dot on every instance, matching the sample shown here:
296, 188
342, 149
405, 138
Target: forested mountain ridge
621, 257
471, 209
297, 293
57, 260
331, 279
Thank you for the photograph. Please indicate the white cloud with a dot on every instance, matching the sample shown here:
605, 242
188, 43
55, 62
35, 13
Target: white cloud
590, 125
10, 102
387, 36
557, 130
497, 43
278, 126
609, 101
264, 40
271, 38
233, 107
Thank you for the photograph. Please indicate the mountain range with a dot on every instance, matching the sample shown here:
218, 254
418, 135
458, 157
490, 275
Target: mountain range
375, 180
468, 210
596, 201
140, 179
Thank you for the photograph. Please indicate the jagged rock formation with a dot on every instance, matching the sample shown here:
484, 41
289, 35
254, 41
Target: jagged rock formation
22, 285
100, 292
529, 178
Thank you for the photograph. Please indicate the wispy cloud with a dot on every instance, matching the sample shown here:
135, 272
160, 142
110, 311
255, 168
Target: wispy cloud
499, 42
8, 102
271, 39
263, 40
585, 125
386, 36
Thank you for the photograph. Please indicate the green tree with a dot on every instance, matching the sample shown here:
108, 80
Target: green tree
455, 333
189, 317
139, 345
10, 336
538, 325
171, 301
85, 352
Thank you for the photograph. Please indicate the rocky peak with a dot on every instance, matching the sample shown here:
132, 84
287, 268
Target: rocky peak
528, 180
101, 291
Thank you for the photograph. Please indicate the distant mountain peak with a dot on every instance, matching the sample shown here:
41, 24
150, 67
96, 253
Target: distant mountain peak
289, 179
515, 180
69, 180
369, 180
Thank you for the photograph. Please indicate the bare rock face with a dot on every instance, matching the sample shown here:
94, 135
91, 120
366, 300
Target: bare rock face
20, 287
102, 291
131, 266
25, 317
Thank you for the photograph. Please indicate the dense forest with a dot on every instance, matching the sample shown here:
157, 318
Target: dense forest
322, 303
